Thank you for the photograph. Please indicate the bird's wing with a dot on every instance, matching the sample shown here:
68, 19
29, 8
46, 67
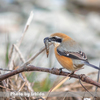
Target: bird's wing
74, 55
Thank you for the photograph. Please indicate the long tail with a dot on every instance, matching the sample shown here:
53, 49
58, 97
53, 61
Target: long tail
87, 63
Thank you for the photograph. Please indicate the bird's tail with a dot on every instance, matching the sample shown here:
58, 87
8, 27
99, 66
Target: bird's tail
87, 63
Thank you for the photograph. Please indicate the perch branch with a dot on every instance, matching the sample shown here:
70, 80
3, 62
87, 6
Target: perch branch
55, 71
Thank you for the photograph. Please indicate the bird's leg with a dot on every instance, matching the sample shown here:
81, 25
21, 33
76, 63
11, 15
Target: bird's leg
60, 70
75, 71
71, 74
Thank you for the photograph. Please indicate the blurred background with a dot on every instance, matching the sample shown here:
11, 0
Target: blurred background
79, 19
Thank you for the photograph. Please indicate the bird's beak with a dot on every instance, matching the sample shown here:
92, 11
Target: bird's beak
46, 42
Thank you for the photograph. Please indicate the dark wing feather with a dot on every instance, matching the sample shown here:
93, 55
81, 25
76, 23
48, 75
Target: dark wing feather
74, 55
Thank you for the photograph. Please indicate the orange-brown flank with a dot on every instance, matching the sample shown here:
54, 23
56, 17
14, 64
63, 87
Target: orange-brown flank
64, 61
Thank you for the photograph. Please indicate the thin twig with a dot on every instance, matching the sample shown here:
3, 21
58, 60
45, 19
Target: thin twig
10, 64
20, 54
97, 81
5, 69
34, 56
5, 87
25, 28
85, 88
12, 53
21, 87
56, 86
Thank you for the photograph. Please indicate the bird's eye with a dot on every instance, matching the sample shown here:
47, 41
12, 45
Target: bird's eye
59, 40
53, 38
56, 39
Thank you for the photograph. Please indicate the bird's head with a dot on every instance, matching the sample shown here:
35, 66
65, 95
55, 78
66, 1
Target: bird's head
56, 39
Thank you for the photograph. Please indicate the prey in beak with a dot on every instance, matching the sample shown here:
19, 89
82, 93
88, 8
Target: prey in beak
54, 40
46, 42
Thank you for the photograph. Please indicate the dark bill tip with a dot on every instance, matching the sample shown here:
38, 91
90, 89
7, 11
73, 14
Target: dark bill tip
47, 39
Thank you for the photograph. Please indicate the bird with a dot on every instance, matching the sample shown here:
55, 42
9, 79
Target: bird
67, 51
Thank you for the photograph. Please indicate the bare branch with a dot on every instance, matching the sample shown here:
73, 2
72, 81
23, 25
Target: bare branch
55, 71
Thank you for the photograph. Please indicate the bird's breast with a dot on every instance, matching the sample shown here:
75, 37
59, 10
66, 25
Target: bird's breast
68, 63
64, 61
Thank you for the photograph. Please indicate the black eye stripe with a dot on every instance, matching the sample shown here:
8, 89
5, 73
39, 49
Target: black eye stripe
56, 39
59, 40
53, 38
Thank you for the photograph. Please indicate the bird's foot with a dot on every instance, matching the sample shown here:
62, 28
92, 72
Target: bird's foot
71, 74
60, 70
